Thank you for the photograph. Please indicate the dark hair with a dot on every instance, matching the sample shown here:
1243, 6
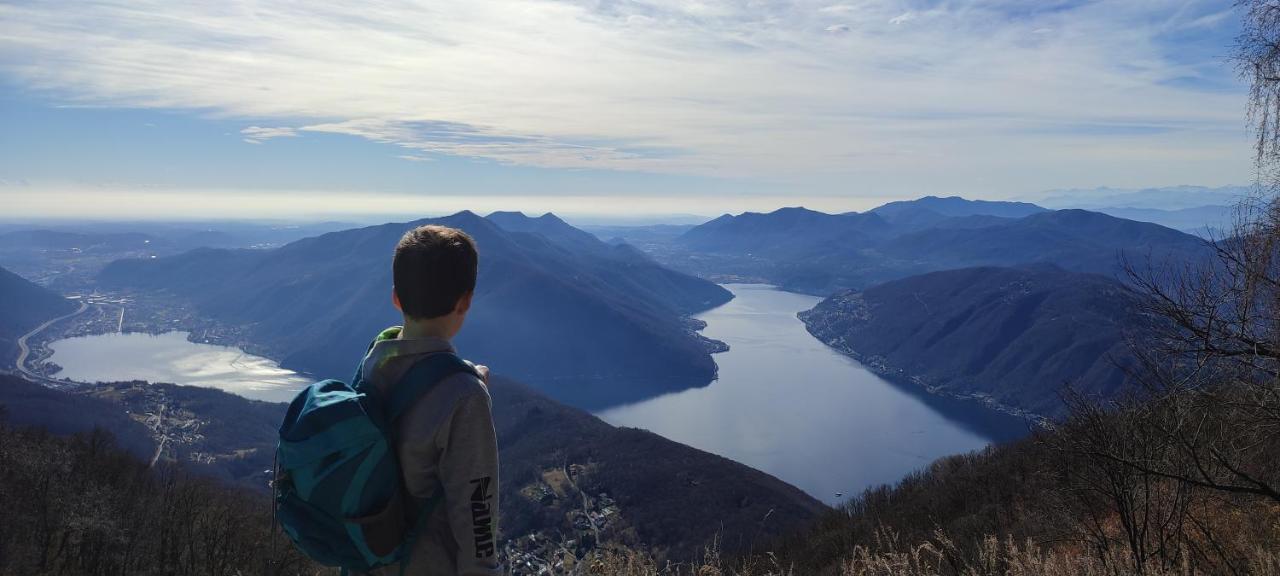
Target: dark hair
434, 266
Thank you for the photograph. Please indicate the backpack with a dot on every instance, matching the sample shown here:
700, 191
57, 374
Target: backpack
338, 489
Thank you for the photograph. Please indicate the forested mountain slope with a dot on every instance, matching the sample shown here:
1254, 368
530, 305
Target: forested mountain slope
1013, 336
23, 306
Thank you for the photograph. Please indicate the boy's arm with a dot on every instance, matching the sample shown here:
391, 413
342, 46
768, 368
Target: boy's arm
469, 474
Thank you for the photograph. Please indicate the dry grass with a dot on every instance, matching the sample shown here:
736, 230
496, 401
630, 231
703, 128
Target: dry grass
936, 557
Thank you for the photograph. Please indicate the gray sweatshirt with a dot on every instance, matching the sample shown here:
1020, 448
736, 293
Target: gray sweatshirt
447, 442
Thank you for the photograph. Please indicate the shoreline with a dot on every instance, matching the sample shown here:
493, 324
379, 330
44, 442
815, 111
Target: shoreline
902, 377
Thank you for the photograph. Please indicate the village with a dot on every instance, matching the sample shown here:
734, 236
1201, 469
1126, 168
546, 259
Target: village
588, 522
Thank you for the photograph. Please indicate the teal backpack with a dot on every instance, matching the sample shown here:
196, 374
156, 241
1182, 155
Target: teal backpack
338, 489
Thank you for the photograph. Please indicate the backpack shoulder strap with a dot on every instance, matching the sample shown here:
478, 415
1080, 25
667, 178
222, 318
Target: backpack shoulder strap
424, 375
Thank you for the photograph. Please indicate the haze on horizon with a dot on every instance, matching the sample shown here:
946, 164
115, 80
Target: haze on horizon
240, 109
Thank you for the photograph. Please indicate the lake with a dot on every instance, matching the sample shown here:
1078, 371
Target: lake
787, 404
784, 402
169, 357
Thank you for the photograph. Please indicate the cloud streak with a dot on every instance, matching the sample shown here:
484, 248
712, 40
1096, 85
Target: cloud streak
869, 91
258, 134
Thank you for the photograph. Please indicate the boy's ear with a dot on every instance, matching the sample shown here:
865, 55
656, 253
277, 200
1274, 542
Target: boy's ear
464, 303
395, 299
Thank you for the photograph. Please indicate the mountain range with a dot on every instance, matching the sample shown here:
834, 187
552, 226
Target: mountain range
813, 252
591, 324
1012, 337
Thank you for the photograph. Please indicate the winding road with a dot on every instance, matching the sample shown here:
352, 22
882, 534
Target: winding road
24, 350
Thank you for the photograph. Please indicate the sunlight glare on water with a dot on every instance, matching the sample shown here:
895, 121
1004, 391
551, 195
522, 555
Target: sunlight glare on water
169, 357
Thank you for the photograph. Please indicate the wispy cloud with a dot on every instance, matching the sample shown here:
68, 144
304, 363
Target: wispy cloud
258, 134
968, 89
903, 18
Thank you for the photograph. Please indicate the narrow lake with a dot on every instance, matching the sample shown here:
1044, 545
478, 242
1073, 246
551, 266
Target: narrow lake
783, 403
787, 404
169, 357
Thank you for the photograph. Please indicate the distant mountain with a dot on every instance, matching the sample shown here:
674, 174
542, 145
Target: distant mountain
23, 306
627, 266
66, 260
591, 324
61, 240
550, 226
1167, 198
1203, 221
931, 210
786, 232
68, 256
1014, 336
1074, 239
806, 251
639, 235
791, 232
796, 248
181, 235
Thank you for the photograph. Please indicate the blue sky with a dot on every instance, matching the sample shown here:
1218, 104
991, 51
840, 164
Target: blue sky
605, 107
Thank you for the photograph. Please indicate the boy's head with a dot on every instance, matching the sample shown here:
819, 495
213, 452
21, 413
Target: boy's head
434, 273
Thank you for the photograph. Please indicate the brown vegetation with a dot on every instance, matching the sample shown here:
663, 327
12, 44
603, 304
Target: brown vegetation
80, 505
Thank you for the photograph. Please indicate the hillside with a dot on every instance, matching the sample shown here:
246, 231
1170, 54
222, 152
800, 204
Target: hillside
816, 253
674, 497
677, 500
81, 505
592, 326
25, 403
1048, 505
23, 306
1010, 336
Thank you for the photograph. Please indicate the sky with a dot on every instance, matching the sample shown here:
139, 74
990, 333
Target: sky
606, 107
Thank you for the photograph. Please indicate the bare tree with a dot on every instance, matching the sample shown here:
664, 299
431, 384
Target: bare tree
1258, 61
1199, 436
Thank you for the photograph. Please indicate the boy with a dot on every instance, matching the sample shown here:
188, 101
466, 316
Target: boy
447, 440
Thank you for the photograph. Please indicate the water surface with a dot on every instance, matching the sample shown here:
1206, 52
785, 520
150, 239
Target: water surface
787, 404
169, 357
